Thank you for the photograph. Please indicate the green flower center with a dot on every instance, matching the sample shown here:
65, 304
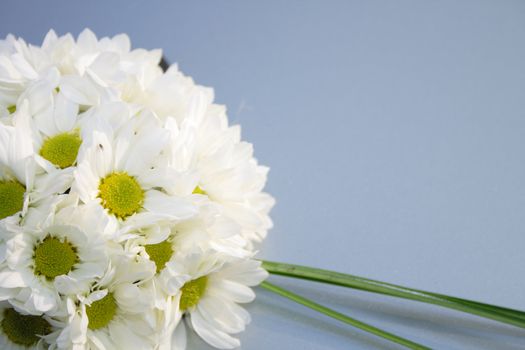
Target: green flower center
101, 312
199, 190
61, 149
11, 198
24, 330
192, 292
11, 109
54, 257
121, 194
159, 253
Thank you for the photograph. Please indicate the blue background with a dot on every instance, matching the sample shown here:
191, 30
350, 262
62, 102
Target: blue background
395, 131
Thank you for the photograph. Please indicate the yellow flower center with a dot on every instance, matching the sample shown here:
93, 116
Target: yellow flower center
11, 198
54, 258
11, 109
159, 253
199, 190
121, 194
192, 292
101, 312
61, 149
24, 330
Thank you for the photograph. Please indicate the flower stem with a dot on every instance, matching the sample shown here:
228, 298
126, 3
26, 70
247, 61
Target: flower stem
341, 317
497, 313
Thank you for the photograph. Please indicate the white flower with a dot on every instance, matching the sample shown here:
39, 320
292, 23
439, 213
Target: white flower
209, 290
207, 231
64, 256
225, 168
169, 243
114, 170
171, 94
52, 123
114, 315
21, 331
23, 184
20, 64
91, 70
109, 63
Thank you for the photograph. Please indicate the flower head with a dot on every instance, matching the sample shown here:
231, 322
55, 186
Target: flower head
210, 294
63, 256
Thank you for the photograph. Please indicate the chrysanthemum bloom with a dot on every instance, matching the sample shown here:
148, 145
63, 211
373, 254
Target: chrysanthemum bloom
23, 183
20, 331
168, 244
114, 314
90, 71
64, 256
115, 166
207, 231
209, 291
52, 123
226, 171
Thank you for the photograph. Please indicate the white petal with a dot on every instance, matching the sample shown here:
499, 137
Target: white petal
44, 300
122, 42
24, 67
173, 207
99, 294
87, 40
220, 316
79, 90
11, 279
127, 338
65, 113
67, 285
86, 182
247, 272
211, 335
234, 291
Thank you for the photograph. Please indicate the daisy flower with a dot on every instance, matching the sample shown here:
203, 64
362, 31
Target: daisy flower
162, 244
209, 290
225, 167
22, 331
96, 70
112, 315
23, 184
170, 94
20, 65
91, 71
52, 123
114, 166
206, 231
62, 257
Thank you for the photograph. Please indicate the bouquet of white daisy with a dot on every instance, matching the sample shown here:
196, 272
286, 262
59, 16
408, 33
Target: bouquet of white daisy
126, 201
130, 210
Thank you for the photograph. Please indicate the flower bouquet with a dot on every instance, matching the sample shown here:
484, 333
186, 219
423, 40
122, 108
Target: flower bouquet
131, 211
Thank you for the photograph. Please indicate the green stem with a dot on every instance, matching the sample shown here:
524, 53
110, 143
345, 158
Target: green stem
341, 317
497, 313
